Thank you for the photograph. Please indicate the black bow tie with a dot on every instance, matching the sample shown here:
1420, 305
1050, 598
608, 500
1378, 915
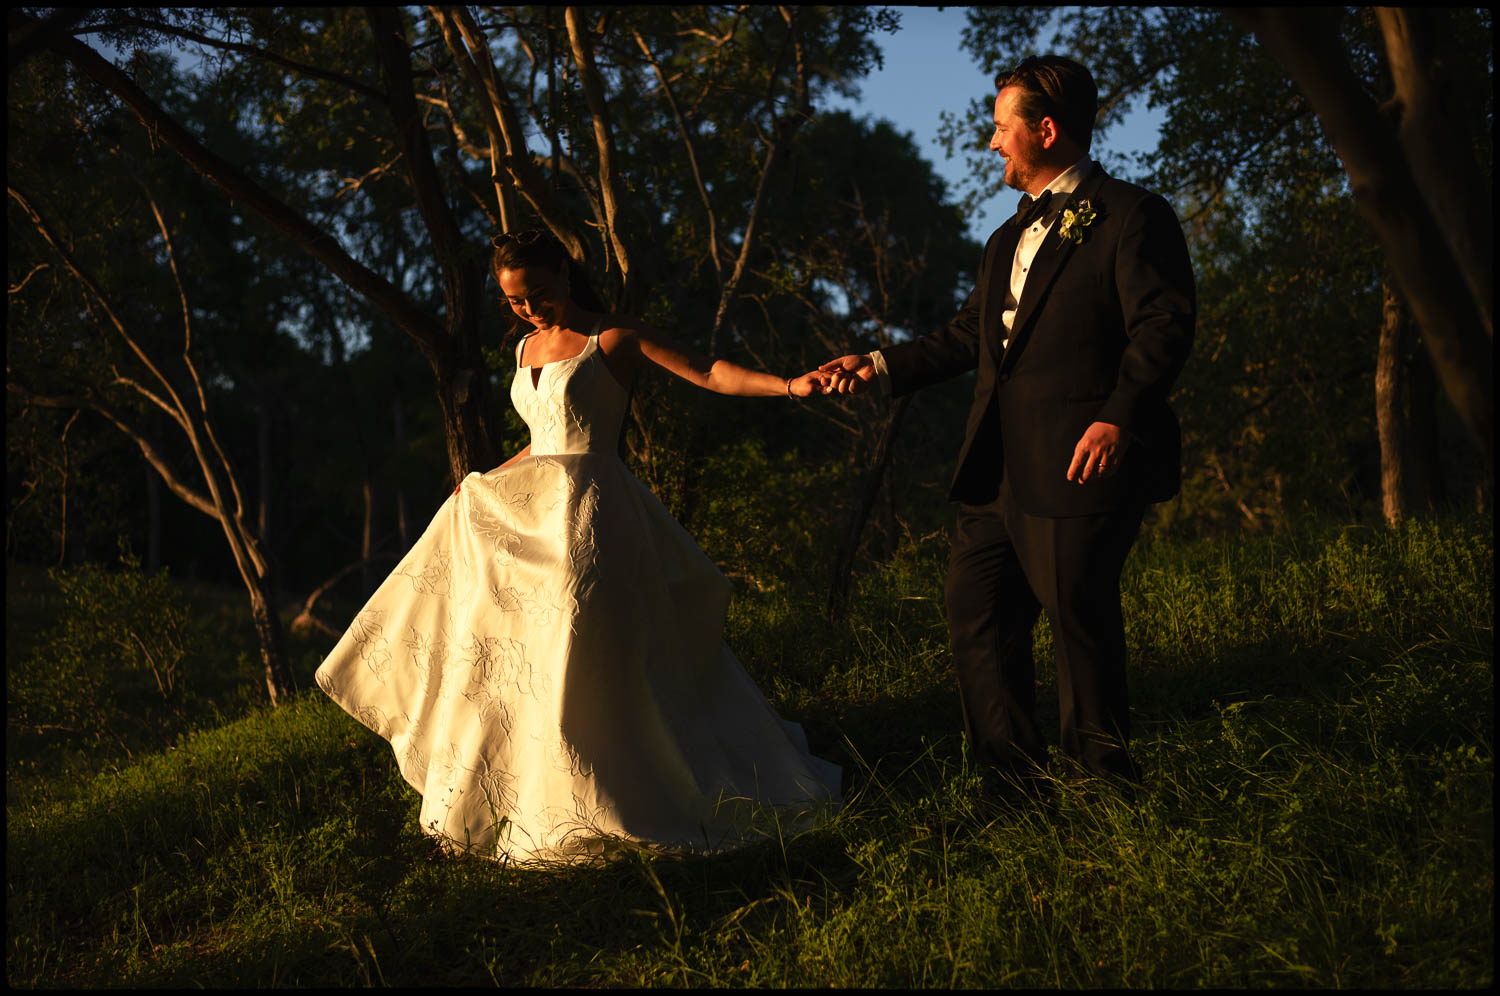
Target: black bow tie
1032, 208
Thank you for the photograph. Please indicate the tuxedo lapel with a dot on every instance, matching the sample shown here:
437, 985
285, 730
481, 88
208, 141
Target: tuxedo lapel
1047, 264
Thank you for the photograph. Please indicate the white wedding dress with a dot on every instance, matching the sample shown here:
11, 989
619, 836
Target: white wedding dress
547, 660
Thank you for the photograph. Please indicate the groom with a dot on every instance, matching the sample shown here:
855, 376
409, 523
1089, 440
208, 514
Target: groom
1081, 320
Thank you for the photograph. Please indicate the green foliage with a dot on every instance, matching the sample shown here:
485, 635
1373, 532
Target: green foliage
108, 675
866, 228
81, 692
1230, 604
1314, 711
761, 514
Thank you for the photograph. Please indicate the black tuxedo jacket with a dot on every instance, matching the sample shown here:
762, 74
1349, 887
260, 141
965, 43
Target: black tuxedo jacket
1101, 332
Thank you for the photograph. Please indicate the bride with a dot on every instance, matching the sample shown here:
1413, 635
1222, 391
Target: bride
547, 660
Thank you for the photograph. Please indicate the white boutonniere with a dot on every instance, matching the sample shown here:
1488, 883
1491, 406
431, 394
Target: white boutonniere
1075, 219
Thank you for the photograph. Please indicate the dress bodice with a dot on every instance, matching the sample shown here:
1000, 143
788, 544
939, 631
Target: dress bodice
572, 405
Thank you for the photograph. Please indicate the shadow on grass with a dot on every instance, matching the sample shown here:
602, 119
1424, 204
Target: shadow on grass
1420, 701
1444, 690
413, 916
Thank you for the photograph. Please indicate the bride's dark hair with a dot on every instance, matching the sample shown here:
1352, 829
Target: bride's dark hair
538, 247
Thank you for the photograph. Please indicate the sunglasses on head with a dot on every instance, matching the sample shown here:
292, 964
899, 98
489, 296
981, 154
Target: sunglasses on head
524, 238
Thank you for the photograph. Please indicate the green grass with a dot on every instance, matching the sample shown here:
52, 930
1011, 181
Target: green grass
1314, 713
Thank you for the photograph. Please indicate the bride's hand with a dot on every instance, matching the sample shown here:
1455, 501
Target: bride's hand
810, 383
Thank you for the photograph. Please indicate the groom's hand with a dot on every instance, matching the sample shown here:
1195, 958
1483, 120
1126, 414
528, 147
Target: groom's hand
851, 374
1098, 453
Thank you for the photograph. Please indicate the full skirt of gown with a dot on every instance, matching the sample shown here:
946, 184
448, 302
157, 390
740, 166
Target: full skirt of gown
547, 663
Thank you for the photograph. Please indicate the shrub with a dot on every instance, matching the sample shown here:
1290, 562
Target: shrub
106, 676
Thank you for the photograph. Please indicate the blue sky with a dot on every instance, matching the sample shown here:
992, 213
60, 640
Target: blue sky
926, 72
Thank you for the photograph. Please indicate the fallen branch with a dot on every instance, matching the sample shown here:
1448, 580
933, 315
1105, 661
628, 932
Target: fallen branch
306, 620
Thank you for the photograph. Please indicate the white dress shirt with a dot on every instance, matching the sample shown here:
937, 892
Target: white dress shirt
1026, 249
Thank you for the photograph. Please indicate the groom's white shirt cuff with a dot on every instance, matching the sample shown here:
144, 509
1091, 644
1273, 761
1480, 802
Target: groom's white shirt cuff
882, 372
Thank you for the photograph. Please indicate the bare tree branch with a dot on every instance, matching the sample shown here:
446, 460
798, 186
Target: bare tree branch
17, 288
252, 550
153, 456
150, 396
306, 620
692, 154
609, 180
532, 185
566, 165
94, 295
303, 68
313, 240
480, 72
784, 130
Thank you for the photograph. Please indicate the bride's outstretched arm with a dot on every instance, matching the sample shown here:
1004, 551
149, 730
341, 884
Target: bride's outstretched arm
720, 376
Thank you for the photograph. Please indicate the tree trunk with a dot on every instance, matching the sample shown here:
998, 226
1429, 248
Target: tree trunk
629, 296
398, 448
458, 361
263, 449
843, 561
153, 522
273, 657
466, 425
1307, 43
367, 534
1448, 178
1388, 409
1428, 489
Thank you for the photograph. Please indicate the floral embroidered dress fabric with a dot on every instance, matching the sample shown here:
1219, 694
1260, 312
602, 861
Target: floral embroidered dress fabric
547, 660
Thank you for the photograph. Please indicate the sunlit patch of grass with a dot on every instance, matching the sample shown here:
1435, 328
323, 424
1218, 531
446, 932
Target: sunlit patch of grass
1314, 713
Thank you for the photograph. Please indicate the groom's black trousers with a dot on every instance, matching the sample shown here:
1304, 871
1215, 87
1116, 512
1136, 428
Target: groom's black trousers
1004, 569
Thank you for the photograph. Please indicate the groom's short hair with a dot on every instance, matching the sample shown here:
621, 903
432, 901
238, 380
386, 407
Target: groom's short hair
1055, 87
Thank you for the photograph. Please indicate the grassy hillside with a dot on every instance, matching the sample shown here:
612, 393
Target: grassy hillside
1314, 713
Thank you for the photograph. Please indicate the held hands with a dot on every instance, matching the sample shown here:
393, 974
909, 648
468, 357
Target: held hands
849, 374
845, 375
810, 383
1099, 453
